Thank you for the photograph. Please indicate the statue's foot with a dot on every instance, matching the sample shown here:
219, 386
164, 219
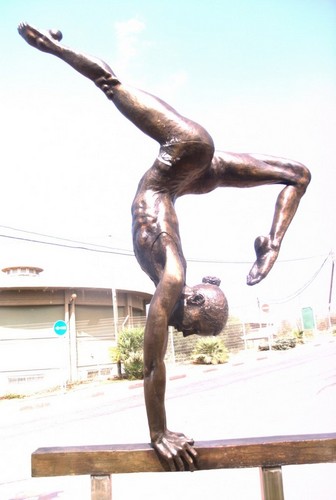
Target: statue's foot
267, 254
45, 41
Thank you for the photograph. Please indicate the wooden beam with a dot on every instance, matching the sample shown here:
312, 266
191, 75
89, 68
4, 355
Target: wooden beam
231, 453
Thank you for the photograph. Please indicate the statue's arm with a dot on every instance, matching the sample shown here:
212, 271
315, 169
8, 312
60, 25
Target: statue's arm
175, 448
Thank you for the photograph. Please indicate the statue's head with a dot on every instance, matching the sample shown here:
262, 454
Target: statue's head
203, 309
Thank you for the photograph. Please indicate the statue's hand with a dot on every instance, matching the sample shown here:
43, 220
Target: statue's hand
176, 449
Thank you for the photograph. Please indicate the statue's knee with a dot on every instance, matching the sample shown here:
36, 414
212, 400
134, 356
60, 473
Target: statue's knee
304, 177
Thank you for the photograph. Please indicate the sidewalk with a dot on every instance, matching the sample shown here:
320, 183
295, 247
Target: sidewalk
116, 387
99, 388
105, 387
305, 482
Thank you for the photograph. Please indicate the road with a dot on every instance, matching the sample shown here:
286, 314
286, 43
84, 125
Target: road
275, 393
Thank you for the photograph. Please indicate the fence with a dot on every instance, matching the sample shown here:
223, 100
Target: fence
269, 454
37, 359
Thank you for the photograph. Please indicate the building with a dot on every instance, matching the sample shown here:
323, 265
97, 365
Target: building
35, 353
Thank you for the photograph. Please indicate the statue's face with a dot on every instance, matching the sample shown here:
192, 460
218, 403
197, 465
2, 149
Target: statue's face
204, 311
193, 323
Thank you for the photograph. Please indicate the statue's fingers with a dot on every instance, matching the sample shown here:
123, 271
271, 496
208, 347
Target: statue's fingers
179, 463
165, 453
191, 458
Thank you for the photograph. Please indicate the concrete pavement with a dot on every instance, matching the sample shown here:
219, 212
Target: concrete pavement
237, 484
98, 388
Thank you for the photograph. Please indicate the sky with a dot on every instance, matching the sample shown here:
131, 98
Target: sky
260, 75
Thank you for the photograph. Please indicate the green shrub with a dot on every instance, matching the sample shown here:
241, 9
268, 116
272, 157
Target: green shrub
282, 344
210, 351
12, 395
299, 336
129, 352
134, 366
263, 346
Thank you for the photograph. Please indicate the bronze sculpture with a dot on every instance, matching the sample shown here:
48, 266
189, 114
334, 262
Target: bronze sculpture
187, 163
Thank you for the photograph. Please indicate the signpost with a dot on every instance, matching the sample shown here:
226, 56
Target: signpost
265, 308
61, 328
308, 318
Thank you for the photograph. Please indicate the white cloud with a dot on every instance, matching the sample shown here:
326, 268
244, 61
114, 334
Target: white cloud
128, 43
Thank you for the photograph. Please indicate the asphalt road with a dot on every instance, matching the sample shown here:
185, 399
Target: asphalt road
277, 393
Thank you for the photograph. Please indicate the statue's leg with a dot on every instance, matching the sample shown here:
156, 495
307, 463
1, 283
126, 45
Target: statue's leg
49, 42
246, 170
297, 178
150, 114
42, 40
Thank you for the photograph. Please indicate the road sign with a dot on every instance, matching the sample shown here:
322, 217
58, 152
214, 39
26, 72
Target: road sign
308, 318
265, 308
60, 327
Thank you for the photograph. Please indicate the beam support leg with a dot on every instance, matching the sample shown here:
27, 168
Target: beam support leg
271, 483
101, 488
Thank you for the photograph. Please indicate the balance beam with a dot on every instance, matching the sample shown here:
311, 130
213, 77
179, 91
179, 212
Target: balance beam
267, 453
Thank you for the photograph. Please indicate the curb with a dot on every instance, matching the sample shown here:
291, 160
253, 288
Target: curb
44, 401
97, 390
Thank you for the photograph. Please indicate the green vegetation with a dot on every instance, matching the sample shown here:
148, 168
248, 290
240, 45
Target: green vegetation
129, 352
280, 344
299, 336
12, 396
210, 351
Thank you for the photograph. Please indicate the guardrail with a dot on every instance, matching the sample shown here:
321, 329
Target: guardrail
269, 454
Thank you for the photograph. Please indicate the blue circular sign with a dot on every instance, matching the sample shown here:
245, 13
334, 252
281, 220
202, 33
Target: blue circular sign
60, 327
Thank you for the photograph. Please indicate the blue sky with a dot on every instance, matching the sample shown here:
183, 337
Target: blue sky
259, 75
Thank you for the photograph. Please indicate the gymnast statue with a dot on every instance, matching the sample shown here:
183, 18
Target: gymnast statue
187, 163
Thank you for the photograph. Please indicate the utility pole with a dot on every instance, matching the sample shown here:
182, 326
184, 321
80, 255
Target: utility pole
331, 289
116, 321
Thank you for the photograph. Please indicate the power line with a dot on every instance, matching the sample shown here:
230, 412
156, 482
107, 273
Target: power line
93, 247
303, 287
99, 248
83, 244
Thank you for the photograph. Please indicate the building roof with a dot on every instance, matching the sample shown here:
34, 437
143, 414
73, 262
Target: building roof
74, 268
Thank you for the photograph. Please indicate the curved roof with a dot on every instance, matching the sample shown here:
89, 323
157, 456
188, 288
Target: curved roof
73, 268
